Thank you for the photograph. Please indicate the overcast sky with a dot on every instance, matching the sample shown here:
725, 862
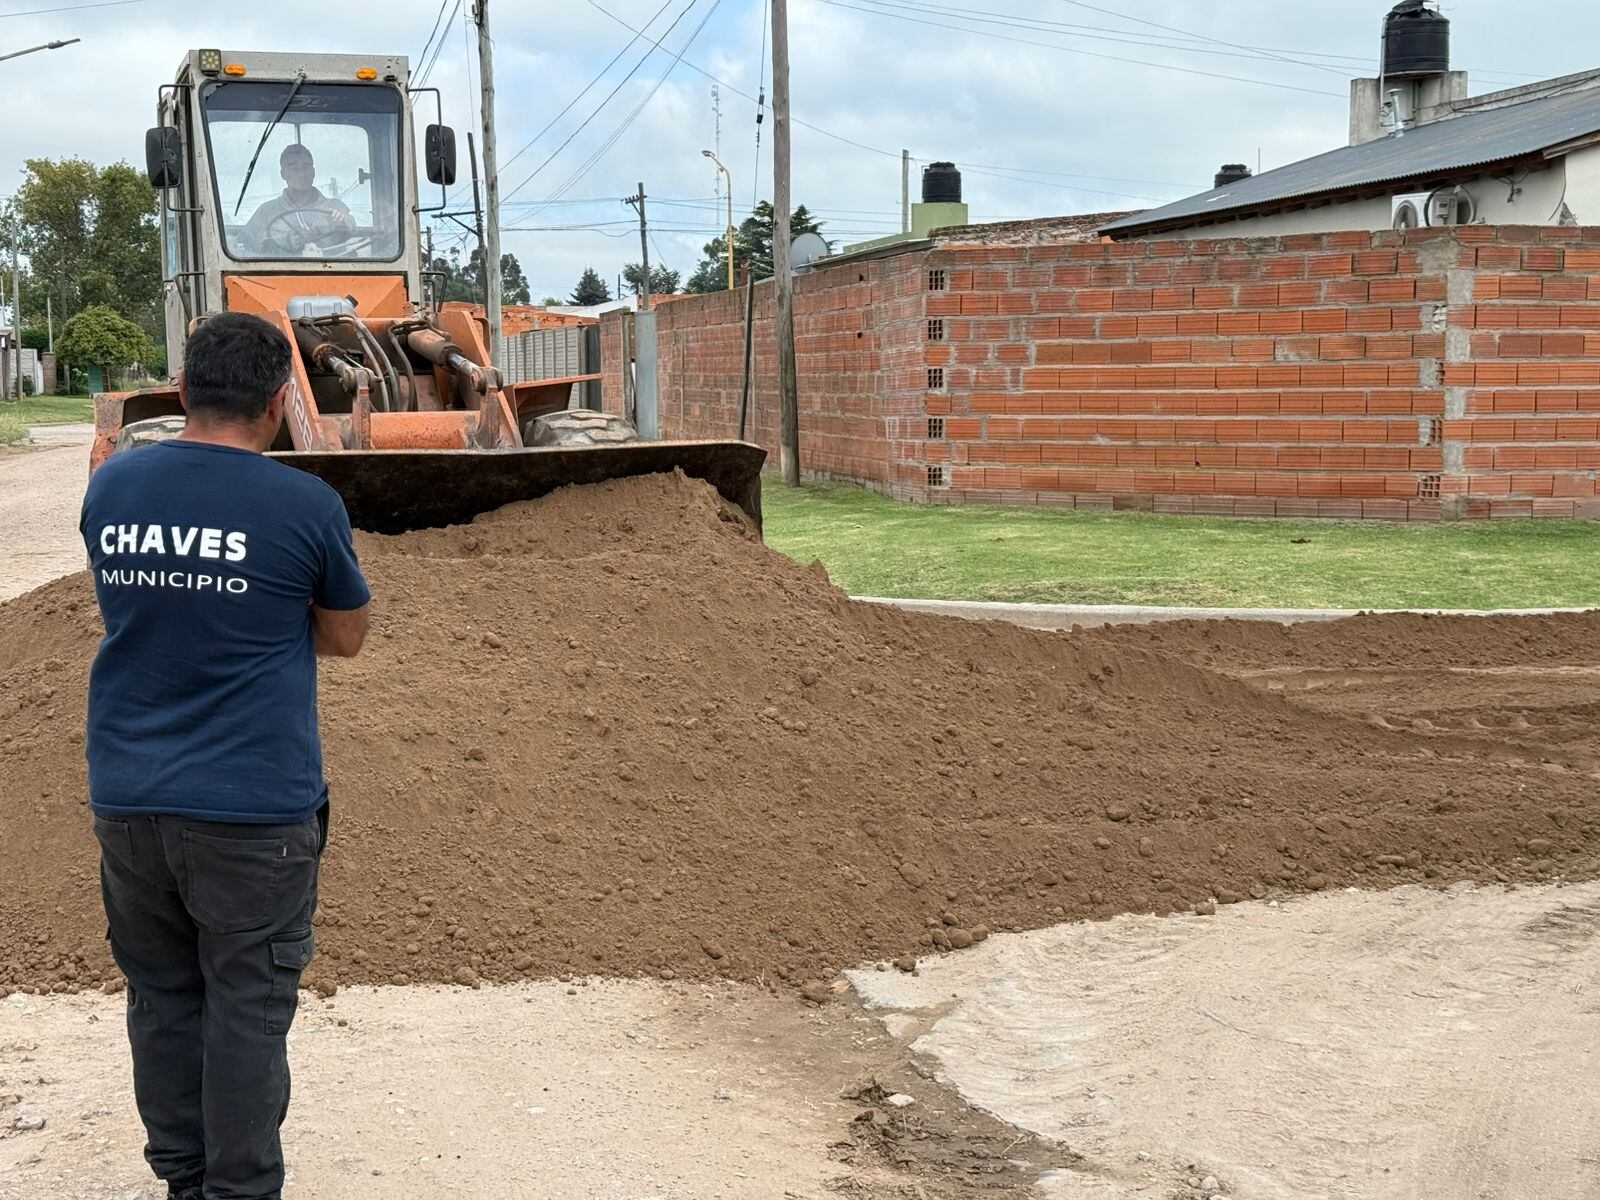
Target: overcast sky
1034, 98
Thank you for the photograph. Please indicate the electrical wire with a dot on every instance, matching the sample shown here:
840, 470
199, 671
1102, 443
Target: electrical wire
611, 141
432, 33
827, 133
1107, 12
35, 12
422, 75
1288, 87
761, 105
596, 110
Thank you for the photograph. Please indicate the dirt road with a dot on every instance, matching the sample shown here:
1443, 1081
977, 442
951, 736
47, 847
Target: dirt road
41, 489
1371, 1045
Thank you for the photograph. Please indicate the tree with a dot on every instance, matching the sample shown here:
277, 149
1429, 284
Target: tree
551, 301
34, 338
591, 289
464, 280
98, 337
663, 280
752, 245
90, 237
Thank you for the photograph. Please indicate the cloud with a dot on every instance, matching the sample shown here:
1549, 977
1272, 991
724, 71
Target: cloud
886, 79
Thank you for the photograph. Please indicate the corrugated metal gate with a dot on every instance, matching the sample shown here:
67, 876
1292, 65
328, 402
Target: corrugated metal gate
553, 354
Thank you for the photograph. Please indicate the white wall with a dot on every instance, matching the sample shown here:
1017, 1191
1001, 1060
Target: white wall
1583, 185
1537, 201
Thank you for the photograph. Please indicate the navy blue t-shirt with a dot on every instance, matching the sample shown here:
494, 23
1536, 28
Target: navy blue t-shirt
203, 697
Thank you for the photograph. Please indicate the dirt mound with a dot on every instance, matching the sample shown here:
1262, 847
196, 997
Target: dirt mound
611, 732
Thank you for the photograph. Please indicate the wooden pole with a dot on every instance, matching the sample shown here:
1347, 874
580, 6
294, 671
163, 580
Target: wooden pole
644, 248
749, 343
491, 180
783, 268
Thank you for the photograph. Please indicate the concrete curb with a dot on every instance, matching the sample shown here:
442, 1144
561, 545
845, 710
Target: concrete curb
1065, 616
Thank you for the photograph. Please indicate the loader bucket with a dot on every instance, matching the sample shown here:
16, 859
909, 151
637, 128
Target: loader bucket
392, 491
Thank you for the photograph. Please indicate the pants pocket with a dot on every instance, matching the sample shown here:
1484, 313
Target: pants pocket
116, 840
290, 954
232, 882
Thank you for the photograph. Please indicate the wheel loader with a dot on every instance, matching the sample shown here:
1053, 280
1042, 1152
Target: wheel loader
288, 189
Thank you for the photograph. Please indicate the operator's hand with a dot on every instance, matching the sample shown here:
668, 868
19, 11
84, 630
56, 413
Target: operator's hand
342, 221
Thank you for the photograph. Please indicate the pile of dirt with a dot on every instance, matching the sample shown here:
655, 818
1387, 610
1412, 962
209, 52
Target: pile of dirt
611, 732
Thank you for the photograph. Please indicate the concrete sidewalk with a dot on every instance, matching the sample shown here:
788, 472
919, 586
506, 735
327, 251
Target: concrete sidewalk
1065, 616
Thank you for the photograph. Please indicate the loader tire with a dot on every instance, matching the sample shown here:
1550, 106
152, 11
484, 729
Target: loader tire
149, 431
579, 427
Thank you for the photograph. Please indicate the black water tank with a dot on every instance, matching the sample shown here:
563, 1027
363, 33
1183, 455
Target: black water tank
1416, 40
941, 184
1231, 173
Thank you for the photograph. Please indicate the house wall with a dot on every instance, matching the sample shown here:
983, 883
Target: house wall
1537, 201
1426, 374
1583, 184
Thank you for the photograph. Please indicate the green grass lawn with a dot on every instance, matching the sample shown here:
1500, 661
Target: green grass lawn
17, 415
50, 410
873, 546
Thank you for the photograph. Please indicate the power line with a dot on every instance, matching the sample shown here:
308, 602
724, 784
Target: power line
422, 75
827, 133
605, 147
437, 20
1088, 53
1106, 12
35, 12
528, 145
596, 110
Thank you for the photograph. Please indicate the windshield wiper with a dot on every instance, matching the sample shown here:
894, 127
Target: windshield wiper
265, 134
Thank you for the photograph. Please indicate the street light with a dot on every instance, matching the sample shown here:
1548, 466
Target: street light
729, 179
45, 46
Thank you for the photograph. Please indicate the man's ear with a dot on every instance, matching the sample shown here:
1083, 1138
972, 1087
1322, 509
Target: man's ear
275, 405
183, 391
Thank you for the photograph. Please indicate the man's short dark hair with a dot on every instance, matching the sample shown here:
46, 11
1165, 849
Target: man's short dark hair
295, 150
232, 365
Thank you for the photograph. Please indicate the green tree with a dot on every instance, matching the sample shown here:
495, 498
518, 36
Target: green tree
90, 237
752, 246
591, 289
663, 280
99, 337
464, 280
34, 338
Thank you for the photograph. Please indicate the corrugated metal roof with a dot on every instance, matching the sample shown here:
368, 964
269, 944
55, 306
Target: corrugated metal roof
1471, 140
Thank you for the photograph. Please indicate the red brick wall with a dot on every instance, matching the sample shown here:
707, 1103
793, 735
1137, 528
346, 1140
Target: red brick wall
854, 329
1418, 375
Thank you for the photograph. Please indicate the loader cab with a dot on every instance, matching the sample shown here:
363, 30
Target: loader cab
285, 176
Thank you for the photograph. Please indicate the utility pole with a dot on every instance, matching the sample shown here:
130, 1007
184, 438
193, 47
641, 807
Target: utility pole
16, 313
491, 248
905, 191
49, 323
644, 248
783, 268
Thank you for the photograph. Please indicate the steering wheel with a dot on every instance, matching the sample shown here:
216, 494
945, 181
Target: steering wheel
303, 233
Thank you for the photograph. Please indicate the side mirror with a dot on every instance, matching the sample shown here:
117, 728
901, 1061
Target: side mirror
163, 156
439, 149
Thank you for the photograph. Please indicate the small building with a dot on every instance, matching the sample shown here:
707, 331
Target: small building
1422, 152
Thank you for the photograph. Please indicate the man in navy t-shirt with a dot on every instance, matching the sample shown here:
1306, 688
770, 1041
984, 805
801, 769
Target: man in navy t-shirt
221, 575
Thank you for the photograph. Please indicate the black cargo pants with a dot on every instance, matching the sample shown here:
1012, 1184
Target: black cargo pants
211, 925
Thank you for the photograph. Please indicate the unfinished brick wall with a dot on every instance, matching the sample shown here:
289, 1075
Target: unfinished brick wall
858, 365
1434, 373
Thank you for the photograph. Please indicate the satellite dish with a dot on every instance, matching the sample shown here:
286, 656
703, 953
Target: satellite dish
806, 249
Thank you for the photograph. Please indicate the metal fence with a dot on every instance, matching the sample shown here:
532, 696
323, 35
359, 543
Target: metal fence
553, 354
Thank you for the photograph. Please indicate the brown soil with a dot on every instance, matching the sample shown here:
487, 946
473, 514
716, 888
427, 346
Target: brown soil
609, 732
